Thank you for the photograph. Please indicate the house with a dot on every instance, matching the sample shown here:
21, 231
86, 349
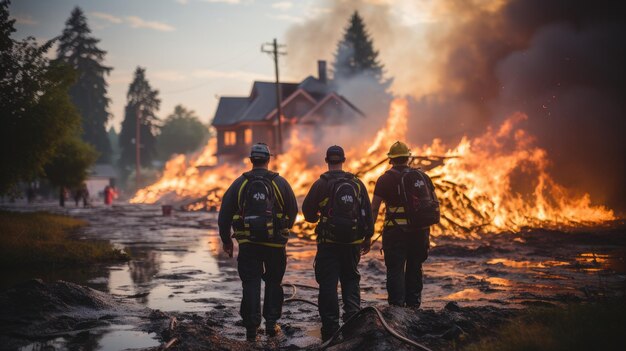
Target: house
241, 121
100, 175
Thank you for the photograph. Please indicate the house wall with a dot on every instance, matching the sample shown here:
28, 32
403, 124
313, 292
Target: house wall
261, 133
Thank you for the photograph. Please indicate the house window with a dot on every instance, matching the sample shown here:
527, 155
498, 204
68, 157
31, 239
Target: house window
248, 136
230, 138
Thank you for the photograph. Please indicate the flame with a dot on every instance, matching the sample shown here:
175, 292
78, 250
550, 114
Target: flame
496, 182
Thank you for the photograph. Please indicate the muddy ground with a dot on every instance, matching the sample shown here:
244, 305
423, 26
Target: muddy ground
180, 286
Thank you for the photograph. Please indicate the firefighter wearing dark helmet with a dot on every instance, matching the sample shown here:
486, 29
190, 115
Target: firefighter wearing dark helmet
261, 208
411, 207
338, 202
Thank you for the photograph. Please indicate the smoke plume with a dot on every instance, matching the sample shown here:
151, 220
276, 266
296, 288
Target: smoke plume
468, 65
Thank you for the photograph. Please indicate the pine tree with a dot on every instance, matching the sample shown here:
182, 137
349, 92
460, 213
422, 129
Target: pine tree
79, 50
358, 74
355, 53
142, 101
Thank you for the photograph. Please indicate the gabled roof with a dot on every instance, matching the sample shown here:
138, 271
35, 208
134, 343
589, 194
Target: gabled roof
261, 103
262, 100
103, 170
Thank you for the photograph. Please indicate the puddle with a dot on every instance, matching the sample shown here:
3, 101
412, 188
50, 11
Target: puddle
119, 337
178, 266
526, 264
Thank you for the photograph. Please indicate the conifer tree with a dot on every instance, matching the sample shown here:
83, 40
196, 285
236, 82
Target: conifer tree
358, 74
355, 53
78, 48
142, 101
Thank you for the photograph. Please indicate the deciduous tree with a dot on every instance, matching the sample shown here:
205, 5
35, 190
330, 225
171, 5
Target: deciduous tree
70, 164
181, 132
35, 109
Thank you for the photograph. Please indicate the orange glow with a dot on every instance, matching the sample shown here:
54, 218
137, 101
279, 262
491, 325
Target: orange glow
476, 180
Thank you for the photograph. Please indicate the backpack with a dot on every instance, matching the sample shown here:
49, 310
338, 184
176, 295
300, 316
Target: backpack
259, 208
420, 202
342, 218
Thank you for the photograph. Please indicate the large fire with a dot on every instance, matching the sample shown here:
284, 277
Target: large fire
493, 183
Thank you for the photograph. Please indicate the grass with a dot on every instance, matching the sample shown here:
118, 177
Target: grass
597, 326
47, 240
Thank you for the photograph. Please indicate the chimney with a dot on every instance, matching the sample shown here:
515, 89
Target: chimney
321, 71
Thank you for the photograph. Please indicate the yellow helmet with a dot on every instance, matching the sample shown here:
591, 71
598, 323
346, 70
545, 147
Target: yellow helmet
399, 149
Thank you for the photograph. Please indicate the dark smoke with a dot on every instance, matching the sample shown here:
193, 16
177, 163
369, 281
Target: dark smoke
562, 63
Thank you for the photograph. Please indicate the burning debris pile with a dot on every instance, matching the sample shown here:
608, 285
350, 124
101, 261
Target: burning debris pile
496, 182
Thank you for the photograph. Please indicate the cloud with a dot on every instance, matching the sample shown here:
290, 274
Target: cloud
286, 18
107, 17
137, 22
233, 75
224, 1
282, 5
25, 20
169, 76
182, 2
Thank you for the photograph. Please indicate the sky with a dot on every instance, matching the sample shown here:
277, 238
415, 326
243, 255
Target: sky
194, 50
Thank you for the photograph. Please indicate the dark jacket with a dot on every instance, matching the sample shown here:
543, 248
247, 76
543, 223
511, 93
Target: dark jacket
230, 206
320, 192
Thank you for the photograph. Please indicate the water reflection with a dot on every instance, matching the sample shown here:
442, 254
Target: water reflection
526, 264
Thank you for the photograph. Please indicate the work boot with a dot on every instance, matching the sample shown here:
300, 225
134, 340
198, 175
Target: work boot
251, 334
415, 304
328, 333
272, 329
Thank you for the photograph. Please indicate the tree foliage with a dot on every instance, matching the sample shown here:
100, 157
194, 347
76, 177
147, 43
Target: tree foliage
70, 163
36, 111
182, 132
358, 73
142, 101
356, 54
79, 50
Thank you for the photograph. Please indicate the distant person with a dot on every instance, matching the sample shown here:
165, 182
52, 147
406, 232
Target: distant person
78, 195
85, 195
109, 194
338, 202
261, 208
62, 196
411, 208
30, 194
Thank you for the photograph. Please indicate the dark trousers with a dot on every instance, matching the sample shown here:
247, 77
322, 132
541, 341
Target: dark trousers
404, 254
337, 263
256, 262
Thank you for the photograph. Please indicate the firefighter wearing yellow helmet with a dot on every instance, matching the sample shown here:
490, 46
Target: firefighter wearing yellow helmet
411, 208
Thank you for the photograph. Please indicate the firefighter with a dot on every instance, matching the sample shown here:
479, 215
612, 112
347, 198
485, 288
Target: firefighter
338, 202
405, 246
261, 207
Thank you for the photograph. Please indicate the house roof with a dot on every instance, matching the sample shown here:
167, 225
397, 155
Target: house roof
103, 170
262, 101
256, 107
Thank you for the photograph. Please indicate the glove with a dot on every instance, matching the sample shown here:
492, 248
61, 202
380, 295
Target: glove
365, 246
228, 247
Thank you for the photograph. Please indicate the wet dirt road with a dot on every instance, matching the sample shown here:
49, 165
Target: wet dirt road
177, 266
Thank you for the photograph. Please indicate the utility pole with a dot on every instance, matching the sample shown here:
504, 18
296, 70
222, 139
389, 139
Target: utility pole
274, 51
138, 148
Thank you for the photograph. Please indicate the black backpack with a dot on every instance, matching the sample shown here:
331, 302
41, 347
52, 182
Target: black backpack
342, 218
420, 202
259, 208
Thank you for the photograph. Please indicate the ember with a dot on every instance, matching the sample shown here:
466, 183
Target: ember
493, 183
